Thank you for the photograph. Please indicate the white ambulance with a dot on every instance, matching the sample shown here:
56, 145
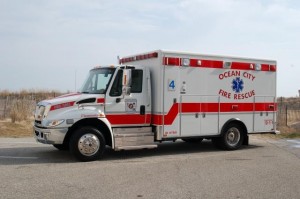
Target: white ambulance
162, 96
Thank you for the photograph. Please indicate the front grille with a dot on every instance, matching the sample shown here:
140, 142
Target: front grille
38, 122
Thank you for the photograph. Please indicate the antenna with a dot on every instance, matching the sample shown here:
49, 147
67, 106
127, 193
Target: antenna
75, 80
119, 59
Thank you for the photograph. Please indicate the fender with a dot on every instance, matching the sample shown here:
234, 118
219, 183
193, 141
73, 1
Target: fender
100, 123
237, 120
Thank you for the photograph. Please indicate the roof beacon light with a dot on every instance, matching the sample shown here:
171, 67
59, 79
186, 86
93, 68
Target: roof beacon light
185, 62
257, 67
199, 62
226, 64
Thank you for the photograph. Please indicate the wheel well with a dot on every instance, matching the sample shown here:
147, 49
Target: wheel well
94, 122
235, 121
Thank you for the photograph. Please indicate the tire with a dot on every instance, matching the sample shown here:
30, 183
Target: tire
232, 137
193, 140
87, 144
61, 147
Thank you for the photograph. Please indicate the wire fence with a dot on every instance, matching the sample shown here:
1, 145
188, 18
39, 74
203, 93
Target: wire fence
21, 105
288, 113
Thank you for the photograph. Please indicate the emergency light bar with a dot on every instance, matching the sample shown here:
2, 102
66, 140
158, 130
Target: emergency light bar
138, 57
177, 61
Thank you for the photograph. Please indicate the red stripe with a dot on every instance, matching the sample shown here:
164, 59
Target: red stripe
171, 61
265, 67
168, 119
211, 64
242, 66
157, 119
133, 119
206, 63
273, 67
63, 105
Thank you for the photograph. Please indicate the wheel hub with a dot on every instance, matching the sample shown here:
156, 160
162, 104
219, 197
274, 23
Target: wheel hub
88, 144
233, 136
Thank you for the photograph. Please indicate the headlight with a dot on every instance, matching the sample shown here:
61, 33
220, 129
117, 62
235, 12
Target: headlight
54, 123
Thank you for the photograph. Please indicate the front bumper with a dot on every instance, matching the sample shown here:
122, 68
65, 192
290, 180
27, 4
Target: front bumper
50, 136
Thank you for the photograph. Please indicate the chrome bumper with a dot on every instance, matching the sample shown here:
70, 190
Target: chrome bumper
50, 136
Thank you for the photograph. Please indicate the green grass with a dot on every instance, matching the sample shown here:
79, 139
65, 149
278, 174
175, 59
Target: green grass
290, 135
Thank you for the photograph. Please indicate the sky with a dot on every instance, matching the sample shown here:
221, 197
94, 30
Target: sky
53, 44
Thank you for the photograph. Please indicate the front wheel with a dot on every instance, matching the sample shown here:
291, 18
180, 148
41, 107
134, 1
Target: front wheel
87, 144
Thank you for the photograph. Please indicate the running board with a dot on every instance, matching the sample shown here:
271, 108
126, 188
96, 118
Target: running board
133, 138
136, 147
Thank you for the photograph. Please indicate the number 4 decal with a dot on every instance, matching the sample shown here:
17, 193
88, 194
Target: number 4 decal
172, 85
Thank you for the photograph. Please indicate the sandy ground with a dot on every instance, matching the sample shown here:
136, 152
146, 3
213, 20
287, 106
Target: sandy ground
16, 130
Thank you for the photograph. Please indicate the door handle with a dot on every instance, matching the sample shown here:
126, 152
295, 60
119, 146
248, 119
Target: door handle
142, 110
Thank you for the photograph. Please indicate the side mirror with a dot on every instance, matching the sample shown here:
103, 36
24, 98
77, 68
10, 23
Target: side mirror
126, 82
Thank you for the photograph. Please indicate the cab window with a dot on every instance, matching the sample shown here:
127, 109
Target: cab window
136, 83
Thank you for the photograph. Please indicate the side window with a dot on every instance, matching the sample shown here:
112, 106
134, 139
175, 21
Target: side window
137, 81
116, 89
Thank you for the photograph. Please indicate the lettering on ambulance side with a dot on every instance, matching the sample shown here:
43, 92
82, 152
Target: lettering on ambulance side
169, 133
237, 84
269, 122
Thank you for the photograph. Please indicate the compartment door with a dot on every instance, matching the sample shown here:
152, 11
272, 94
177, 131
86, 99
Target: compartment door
264, 114
190, 109
209, 115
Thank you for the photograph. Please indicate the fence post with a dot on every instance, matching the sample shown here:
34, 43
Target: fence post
5, 107
286, 115
281, 104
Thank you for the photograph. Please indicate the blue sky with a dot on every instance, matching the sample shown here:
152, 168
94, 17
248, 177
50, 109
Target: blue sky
43, 44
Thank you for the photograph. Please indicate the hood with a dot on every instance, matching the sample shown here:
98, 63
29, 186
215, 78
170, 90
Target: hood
72, 99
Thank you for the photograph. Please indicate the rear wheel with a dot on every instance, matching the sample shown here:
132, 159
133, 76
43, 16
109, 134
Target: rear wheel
87, 144
232, 137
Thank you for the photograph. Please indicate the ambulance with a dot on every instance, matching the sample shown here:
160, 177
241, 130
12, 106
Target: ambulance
160, 96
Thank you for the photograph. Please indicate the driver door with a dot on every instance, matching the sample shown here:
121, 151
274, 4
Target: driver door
127, 110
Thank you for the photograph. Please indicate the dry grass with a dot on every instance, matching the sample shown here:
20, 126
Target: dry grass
33, 93
20, 110
17, 129
288, 132
19, 107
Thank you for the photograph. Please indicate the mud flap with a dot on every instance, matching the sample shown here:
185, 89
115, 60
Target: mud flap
246, 140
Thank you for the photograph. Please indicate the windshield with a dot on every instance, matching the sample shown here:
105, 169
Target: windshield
97, 81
